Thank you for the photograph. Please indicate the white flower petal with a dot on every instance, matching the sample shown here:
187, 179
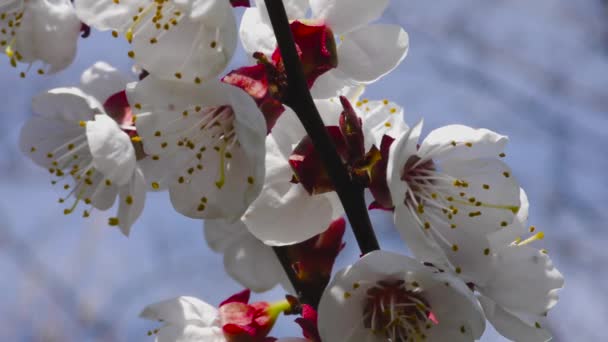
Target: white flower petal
56, 125
99, 193
190, 51
182, 310
330, 84
157, 173
246, 259
102, 80
111, 148
296, 9
369, 53
347, 15
511, 326
256, 35
66, 104
208, 181
516, 229
48, 31
469, 143
108, 15
210, 11
132, 200
380, 118
492, 191
421, 245
524, 280
401, 150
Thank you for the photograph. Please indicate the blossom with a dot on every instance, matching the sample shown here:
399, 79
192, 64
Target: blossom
39, 30
191, 319
459, 208
387, 296
189, 41
365, 51
88, 153
210, 136
451, 190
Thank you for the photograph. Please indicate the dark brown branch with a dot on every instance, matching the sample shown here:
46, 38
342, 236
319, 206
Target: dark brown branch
300, 100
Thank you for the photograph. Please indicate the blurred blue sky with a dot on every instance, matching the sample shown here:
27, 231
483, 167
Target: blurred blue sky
534, 70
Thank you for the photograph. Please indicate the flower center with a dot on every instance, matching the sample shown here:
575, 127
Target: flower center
399, 314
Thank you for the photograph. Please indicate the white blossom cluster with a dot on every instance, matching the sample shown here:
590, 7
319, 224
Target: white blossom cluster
208, 142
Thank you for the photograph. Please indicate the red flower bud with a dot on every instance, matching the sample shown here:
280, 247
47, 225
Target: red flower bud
243, 322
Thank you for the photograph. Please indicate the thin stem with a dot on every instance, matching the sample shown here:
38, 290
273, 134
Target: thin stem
300, 100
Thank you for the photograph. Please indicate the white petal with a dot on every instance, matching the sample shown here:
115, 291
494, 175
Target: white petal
284, 215
498, 203
202, 196
101, 195
511, 326
107, 15
66, 104
210, 11
421, 244
246, 259
455, 305
256, 35
191, 50
380, 118
332, 83
296, 9
163, 103
182, 310
56, 125
483, 143
516, 229
347, 15
111, 148
525, 280
102, 80
157, 173
401, 150
49, 31
190, 333
371, 52
132, 200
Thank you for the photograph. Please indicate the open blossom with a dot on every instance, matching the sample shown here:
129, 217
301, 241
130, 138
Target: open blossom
450, 190
189, 41
210, 136
365, 51
88, 153
389, 297
191, 319
39, 30
459, 208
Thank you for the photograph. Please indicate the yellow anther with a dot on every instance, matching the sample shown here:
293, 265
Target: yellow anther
535, 237
136, 139
129, 200
155, 186
113, 221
